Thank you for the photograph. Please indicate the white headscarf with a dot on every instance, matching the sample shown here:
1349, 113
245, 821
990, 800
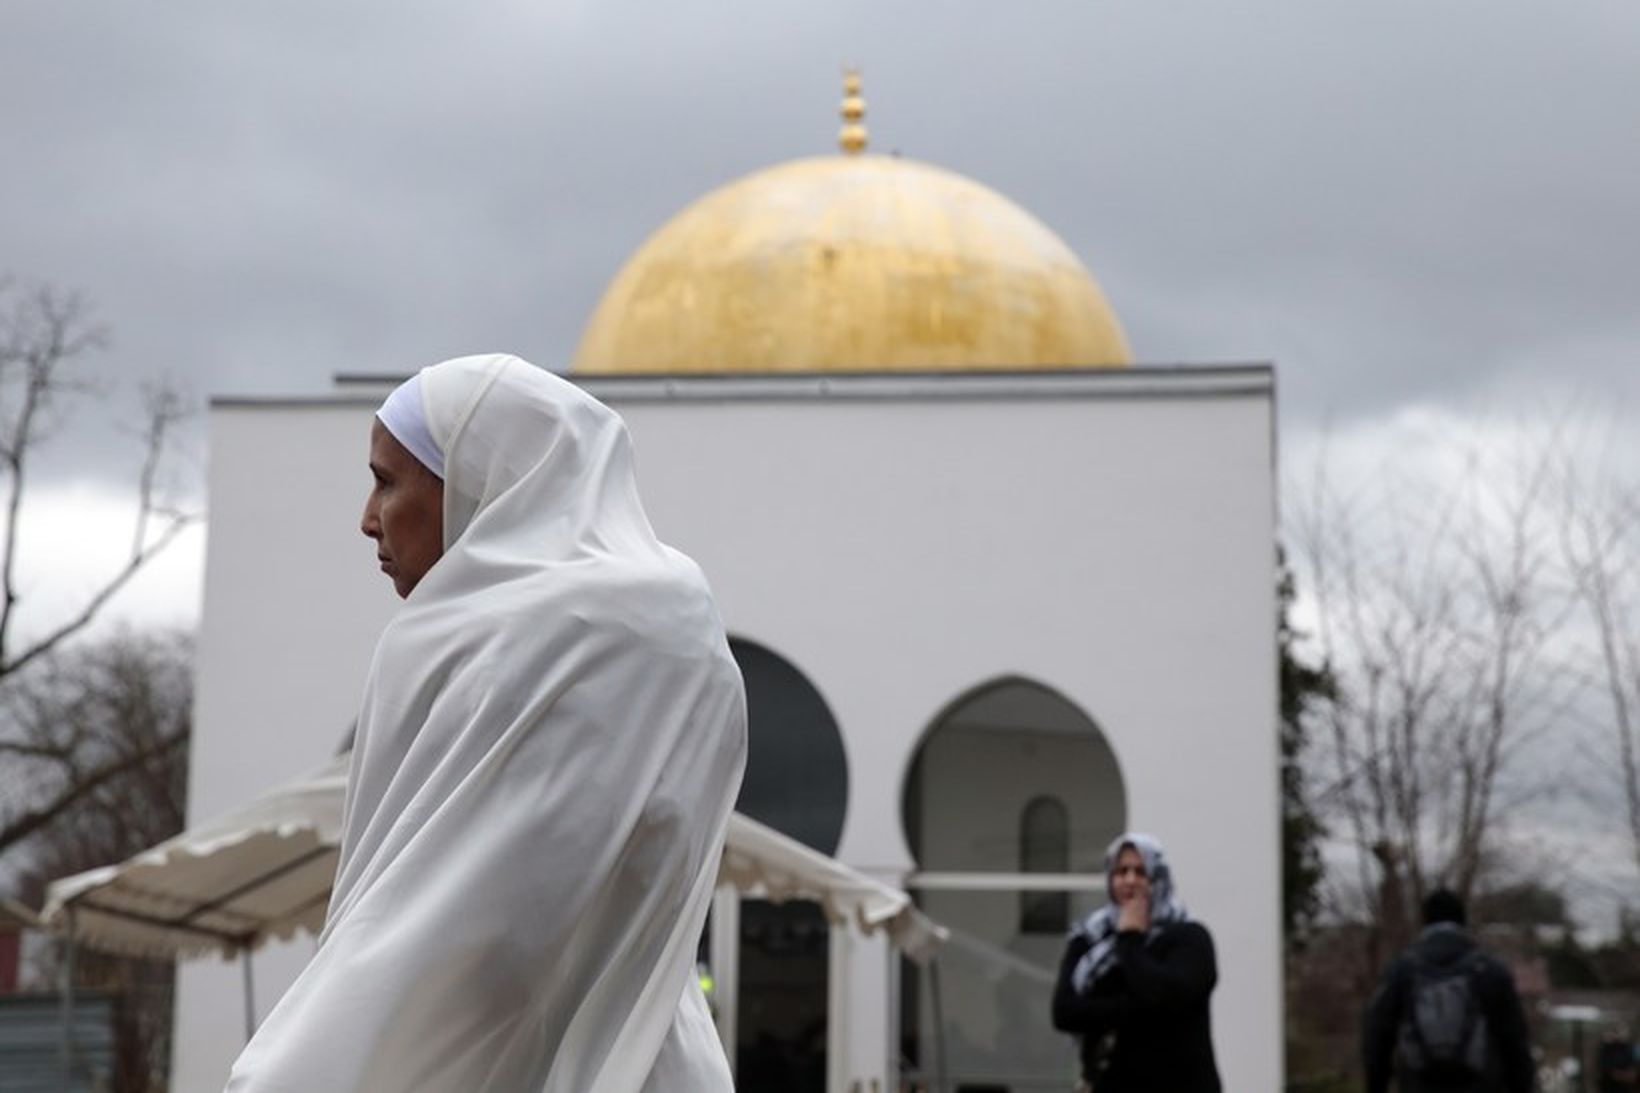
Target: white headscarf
550, 742
401, 414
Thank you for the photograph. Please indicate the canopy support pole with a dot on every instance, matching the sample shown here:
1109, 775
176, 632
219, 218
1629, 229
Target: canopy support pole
250, 993
67, 997
726, 965
838, 994
938, 1006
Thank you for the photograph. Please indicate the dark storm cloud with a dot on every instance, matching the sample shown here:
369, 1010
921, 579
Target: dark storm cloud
1398, 200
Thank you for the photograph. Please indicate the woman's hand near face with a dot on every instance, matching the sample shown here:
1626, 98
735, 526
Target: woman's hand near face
1135, 914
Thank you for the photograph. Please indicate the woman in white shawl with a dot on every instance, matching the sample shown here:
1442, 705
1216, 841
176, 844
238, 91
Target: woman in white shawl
549, 745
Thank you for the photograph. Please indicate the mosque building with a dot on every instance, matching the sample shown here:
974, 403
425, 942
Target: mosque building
998, 594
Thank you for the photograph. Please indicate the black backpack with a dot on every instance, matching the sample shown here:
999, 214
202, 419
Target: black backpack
1443, 1035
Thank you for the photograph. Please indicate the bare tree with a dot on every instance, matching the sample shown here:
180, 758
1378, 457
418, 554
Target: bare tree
1480, 620
45, 337
121, 704
111, 717
1436, 606
1600, 545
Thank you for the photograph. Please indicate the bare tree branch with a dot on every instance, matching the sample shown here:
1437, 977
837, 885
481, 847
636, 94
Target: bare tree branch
22, 826
111, 718
59, 754
89, 611
1436, 608
1598, 545
43, 335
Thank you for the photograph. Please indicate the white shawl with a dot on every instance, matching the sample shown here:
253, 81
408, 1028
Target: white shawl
548, 749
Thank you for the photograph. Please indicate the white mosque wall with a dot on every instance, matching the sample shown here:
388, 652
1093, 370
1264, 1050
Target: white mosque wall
1115, 545
900, 543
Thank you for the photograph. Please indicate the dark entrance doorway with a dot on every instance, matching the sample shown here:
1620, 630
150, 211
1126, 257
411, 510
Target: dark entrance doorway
781, 1033
797, 783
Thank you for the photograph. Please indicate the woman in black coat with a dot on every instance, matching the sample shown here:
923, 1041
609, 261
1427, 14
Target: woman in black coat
1135, 981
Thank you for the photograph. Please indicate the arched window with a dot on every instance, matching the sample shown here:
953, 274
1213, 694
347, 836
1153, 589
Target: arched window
1007, 805
1044, 847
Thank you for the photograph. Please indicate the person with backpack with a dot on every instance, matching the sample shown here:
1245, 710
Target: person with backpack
1617, 1063
1446, 1016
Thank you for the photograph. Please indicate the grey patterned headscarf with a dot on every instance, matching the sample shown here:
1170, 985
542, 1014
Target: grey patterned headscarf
1100, 926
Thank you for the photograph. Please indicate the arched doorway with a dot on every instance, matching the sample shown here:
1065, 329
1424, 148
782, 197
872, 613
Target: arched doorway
797, 783
796, 770
1008, 805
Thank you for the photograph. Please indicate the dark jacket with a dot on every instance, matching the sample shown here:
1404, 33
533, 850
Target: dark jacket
1509, 1067
1155, 1002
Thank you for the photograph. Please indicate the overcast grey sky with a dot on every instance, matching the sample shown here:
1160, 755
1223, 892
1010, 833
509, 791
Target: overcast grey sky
1397, 201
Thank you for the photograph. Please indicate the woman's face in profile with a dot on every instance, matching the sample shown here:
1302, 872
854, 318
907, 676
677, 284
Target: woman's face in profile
404, 513
1127, 877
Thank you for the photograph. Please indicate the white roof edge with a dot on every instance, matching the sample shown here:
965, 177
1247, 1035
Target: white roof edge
1180, 381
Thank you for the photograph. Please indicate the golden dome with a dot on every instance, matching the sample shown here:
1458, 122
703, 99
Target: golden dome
851, 263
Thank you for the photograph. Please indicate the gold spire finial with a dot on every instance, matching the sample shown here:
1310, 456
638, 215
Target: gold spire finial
852, 138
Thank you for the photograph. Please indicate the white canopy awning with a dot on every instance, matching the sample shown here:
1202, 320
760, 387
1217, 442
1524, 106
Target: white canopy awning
259, 871
762, 863
264, 870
